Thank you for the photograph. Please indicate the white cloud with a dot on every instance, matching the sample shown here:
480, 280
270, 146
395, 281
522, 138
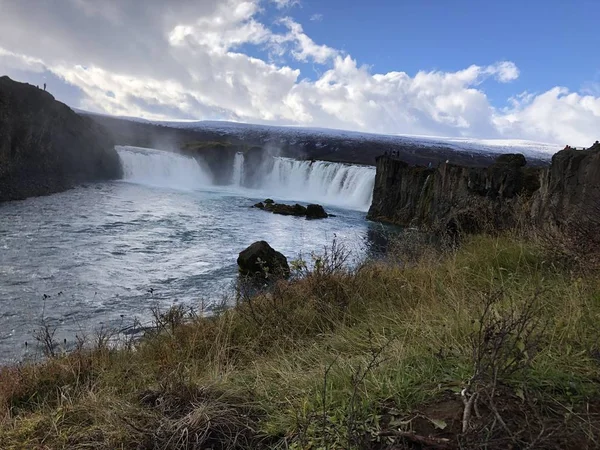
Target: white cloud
558, 115
316, 17
504, 71
306, 48
189, 61
286, 3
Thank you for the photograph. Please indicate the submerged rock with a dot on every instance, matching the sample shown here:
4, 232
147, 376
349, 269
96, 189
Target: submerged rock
260, 259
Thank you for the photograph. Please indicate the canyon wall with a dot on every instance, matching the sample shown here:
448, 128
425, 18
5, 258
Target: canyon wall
45, 147
456, 198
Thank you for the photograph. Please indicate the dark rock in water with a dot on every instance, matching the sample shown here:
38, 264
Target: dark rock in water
260, 259
287, 210
310, 211
315, 212
46, 147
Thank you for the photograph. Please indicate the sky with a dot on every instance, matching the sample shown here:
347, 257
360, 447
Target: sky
508, 69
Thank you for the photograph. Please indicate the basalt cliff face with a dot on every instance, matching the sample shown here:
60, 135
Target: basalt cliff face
570, 188
45, 147
454, 198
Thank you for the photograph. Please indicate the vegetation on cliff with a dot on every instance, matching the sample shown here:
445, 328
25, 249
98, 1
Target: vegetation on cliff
493, 344
45, 147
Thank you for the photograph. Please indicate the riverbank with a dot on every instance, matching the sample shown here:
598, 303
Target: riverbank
384, 356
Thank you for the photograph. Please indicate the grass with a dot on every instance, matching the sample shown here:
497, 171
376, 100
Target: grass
375, 357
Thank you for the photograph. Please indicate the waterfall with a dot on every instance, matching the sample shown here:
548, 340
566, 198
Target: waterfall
344, 185
162, 168
237, 177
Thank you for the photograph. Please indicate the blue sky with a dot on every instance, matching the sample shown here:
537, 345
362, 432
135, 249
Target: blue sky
553, 42
485, 69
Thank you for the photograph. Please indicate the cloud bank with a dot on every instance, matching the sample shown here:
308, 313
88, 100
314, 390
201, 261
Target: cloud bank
222, 59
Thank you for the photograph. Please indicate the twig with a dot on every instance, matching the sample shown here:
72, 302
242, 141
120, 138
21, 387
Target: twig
431, 442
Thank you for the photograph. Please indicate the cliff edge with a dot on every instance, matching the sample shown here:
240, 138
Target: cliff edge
455, 198
452, 197
570, 187
45, 147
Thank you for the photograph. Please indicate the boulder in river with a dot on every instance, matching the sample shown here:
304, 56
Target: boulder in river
260, 259
314, 211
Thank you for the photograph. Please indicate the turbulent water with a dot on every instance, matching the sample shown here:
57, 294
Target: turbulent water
104, 254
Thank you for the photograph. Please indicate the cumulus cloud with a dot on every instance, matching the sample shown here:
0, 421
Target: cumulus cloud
190, 60
305, 47
316, 17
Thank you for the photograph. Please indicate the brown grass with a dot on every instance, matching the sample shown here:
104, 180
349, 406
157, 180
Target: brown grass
371, 357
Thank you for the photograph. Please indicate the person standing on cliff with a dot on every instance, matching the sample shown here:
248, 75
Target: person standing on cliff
44, 86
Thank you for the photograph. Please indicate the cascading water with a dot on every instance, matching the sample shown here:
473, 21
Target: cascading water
343, 185
237, 177
161, 168
338, 184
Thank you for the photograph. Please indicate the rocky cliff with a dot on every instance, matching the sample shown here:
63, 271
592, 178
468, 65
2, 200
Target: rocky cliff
456, 198
452, 197
45, 147
570, 187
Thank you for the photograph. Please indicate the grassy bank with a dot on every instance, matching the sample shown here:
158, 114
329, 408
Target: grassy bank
493, 345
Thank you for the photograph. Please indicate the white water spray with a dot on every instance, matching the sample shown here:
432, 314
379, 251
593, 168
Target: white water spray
344, 185
237, 177
163, 169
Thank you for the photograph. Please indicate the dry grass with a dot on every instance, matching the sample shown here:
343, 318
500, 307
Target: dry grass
341, 358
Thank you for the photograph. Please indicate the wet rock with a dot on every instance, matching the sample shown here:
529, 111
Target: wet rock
287, 210
261, 260
312, 211
315, 212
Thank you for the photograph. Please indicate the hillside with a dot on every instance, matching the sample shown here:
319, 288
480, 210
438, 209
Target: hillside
313, 143
45, 147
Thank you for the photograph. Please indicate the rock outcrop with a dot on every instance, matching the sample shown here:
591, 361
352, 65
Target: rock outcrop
569, 188
457, 199
261, 260
452, 197
45, 147
312, 211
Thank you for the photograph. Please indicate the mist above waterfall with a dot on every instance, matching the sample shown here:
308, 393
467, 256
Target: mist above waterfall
343, 185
